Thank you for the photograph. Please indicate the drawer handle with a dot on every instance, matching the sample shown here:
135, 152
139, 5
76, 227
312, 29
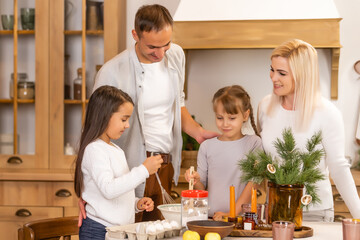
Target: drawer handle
63, 193
14, 160
338, 198
23, 213
338, 218
174, 194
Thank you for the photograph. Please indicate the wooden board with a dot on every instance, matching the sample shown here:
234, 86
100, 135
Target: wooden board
305, 232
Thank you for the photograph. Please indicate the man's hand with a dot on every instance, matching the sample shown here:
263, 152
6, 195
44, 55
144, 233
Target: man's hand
146, 204
205, 134
82, 212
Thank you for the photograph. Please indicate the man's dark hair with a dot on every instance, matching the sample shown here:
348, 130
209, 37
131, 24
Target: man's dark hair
152, 18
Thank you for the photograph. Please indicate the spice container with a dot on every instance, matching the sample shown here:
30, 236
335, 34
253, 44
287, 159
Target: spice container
26, 90
21, 77
194, 206
250, 221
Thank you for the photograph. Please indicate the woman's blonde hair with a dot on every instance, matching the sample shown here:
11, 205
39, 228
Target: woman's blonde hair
304, 66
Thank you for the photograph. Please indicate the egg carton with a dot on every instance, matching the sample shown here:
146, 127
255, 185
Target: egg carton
144, 230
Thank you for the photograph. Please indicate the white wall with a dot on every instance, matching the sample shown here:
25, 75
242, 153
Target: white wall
211, 69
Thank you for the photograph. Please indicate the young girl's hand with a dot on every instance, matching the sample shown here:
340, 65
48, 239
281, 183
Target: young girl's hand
146, 204
195, 176
153, 163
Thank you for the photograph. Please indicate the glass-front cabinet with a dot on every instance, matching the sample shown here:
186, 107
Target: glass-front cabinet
50, 51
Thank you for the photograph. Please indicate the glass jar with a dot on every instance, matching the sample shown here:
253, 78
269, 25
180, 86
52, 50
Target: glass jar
26, 90
78, 85
250, 221
22, 77
194, 206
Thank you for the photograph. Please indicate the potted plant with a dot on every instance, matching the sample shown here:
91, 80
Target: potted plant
287, 176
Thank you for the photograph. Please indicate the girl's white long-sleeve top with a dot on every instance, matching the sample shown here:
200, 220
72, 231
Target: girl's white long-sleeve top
328, 119
109, 184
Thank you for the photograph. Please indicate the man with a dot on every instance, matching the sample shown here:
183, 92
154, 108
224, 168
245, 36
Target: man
152, 73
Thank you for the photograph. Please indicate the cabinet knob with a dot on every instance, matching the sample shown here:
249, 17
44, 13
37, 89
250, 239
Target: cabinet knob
338, 198
338, 218
174, 194
63, 193
23, 213
14, 160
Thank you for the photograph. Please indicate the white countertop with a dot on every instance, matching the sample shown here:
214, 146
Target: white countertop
322, 231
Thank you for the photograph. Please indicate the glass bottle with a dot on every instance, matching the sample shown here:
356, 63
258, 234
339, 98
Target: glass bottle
78, 85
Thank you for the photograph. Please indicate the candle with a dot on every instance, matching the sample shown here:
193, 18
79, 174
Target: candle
232, 202
253, 200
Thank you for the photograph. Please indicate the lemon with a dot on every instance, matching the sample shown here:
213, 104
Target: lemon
191, 235
212, 236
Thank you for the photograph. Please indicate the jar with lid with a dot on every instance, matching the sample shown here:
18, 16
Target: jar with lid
26, 90
21, 77
194, 206
78, 85
250, 221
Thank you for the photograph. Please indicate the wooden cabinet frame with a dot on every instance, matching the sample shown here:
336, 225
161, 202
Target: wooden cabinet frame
261, 34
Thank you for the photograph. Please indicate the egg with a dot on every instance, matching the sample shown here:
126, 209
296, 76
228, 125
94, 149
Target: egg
166, 226
151, 229
174, 224
159, 227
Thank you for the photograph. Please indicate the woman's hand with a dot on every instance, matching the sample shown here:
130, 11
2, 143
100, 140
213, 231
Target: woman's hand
194, 176
82, 212
146, 204
218, 216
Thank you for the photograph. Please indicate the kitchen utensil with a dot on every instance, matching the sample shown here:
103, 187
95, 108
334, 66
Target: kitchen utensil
167, 199
205, 226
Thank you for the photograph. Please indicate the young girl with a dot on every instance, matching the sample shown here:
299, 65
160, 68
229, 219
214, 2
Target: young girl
217, 162
102, 176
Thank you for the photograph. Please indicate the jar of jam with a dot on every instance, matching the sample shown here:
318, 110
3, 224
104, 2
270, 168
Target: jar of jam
194, 206
26, 90
250, 221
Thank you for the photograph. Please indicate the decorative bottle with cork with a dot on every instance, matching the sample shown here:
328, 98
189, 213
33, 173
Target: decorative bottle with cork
78, 85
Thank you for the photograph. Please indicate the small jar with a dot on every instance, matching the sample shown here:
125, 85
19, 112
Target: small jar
22, 77
26, 90
250, 221
194, 206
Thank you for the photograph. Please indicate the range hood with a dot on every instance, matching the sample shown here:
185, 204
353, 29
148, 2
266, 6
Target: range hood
258, 24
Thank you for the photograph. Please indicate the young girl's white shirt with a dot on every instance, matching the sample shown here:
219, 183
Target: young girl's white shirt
328, 120
109, 184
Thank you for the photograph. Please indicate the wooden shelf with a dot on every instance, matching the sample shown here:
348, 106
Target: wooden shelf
88, 32
20, 32
6, 101
74, 102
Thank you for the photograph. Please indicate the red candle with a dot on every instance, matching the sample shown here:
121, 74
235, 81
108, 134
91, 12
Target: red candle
232, 202
253, 200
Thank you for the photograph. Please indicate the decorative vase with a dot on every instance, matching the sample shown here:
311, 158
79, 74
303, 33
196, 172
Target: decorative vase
285, 203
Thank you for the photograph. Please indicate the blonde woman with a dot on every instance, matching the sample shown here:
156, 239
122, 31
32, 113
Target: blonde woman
296, 102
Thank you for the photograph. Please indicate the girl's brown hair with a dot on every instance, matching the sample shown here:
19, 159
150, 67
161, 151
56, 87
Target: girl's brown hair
234, 99
105, 101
